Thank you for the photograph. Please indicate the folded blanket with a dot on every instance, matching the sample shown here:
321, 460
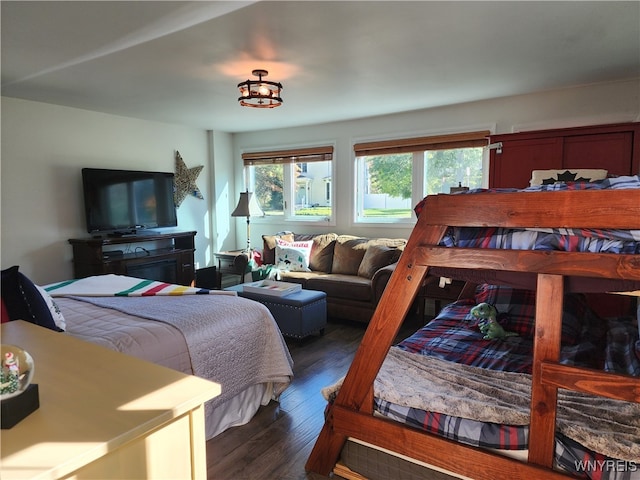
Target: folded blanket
122, 286
610, 427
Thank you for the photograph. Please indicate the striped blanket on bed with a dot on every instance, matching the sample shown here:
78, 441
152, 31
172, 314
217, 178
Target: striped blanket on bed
123, 286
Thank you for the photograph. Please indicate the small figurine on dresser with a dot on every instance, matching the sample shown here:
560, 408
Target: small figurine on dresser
18, 396
10, 375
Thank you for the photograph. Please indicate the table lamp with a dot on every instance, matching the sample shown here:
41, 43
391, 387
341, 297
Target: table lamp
248, 207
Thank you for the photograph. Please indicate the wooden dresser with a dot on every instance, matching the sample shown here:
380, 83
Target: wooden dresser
104, 414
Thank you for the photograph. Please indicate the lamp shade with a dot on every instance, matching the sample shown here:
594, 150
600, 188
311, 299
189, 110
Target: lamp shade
247, 206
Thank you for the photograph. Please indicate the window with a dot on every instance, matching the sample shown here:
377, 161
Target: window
394, 175
292, 184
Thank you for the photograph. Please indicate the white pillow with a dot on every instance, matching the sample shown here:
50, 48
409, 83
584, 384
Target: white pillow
293, 256
56, 314
544, 177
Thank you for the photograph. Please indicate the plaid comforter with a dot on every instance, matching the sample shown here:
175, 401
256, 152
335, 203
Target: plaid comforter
453, 335
576, 240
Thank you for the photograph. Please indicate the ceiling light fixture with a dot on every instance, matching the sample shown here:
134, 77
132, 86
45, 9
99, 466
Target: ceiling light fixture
260, 93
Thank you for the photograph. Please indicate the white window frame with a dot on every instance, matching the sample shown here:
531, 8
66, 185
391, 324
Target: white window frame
417, 146
295, 155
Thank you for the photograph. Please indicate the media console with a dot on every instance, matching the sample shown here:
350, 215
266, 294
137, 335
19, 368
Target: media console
168, 257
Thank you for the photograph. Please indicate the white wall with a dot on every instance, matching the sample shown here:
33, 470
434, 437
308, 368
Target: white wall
588, 105
44, 148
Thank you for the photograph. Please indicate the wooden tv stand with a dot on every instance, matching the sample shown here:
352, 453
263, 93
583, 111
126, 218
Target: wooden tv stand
170, 259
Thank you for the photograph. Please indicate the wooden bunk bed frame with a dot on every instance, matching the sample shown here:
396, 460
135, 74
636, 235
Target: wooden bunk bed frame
351, 415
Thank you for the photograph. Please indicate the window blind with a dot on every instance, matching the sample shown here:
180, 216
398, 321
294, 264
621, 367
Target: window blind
438, 142
298, 155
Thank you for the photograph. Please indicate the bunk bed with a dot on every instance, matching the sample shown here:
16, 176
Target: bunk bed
437, 247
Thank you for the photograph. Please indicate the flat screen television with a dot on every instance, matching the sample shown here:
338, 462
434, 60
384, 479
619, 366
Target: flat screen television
123, 201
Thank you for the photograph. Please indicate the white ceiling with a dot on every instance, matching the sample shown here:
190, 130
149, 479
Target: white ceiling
180, 62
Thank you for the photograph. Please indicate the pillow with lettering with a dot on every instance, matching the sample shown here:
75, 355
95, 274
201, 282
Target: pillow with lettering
293, 256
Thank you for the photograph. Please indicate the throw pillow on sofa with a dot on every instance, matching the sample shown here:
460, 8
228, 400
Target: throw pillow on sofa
269, 252
376, 257
293, 256
348, 254
321, 257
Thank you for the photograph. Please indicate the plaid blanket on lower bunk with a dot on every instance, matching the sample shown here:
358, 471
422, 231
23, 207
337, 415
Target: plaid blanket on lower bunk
587, 340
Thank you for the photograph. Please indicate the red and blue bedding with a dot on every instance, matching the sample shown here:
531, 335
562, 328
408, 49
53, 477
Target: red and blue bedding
574, 240
587, 341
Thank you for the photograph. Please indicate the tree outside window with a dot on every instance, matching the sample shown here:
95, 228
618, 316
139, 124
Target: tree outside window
392, 176
292, 184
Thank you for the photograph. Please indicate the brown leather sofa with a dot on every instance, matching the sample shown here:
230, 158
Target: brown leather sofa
352, 271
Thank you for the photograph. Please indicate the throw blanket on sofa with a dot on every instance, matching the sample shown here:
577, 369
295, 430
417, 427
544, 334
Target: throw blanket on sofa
122, 286
610, 427
231, 340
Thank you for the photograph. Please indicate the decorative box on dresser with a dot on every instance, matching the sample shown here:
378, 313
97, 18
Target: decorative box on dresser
104, 414
614, 147
171, 259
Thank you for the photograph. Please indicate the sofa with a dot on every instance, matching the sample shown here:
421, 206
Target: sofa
352, 271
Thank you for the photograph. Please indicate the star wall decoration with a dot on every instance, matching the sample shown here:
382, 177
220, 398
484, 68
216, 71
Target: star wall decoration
185, 179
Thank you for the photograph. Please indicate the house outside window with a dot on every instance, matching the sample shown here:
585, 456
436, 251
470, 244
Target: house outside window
292, 184
394, 175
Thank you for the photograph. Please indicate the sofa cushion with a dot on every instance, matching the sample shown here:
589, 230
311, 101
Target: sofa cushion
269, 244
389, 242
321, 252
296, 277
347, 254
341, 286
376, 257
293, 256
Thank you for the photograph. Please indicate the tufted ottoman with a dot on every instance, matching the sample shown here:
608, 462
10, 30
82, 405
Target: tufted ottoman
298, 314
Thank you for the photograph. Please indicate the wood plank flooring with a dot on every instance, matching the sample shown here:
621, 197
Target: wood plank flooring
276, 443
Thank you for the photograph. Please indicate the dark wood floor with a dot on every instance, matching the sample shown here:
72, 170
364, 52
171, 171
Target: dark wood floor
276, 443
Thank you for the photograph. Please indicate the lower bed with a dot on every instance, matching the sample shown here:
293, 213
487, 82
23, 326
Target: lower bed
204, 335
501, 425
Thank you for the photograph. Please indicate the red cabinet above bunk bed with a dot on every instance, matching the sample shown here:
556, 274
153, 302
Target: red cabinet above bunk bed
614, 147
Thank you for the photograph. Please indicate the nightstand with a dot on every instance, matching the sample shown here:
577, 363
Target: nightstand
233, 262
432, 290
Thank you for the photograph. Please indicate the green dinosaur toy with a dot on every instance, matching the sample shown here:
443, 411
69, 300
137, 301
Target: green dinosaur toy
488, 323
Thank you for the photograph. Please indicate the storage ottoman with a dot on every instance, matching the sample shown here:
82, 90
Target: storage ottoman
298, 314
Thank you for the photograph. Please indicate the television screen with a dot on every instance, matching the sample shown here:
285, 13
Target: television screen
120, 201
